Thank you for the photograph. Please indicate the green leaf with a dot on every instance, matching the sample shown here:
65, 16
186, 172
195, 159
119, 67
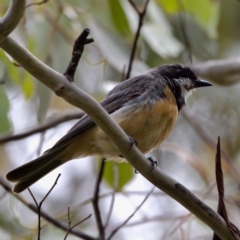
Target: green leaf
119, 17
27, 85
4, 108
206, 12
125, 173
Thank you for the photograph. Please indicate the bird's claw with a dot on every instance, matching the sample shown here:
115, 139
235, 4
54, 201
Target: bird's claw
132, 142
153, 162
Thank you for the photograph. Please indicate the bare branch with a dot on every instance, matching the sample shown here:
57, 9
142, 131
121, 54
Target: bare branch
184, 30
127, 220
96, 199
49, 123
44, 215
39, 205
77, 53
36, 3
69, 223
115, 187
141, 15
222, 211
58, 83
210, 141
12, 17
224, 72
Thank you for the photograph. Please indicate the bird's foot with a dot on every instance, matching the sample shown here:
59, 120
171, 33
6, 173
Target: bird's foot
153, 162
132, 142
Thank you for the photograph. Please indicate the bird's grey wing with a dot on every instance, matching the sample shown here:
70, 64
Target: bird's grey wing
115, 99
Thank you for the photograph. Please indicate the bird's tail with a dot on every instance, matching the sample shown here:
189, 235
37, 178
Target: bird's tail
29, 173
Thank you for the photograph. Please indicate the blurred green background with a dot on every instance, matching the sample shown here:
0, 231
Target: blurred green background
188, 155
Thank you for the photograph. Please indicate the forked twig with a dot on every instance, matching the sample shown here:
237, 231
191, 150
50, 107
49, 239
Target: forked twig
127, 220
39, 205
69, 223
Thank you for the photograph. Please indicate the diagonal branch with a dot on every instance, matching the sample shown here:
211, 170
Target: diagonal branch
129, 218
49, 123
12, 17
210, 141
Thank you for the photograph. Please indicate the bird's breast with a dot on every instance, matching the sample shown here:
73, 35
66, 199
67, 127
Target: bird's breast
148, 124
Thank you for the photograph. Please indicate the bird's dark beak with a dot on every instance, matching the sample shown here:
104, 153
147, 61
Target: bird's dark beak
201, 83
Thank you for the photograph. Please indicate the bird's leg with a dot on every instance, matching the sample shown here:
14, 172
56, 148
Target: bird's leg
132, 142
153, 162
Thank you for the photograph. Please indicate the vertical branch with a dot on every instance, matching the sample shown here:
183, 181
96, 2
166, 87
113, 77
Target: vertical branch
77, 53
222, 211
184, 30
95, 201
141, 15
39, 205
115, 187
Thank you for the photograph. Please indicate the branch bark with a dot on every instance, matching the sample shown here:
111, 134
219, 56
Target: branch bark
12, 17
223, 72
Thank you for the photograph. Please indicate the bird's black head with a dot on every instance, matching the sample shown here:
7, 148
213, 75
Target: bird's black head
182, 75
180, 79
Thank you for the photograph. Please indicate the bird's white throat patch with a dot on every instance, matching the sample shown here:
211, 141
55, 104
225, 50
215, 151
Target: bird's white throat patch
186, 87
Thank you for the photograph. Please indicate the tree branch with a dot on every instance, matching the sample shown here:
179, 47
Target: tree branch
44, 215
49, 123
62, 87
12, 17
39, 205
128, 219
95, 200
141, 15
223, 72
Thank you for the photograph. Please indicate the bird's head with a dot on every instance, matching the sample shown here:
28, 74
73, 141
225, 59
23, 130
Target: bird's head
181, 79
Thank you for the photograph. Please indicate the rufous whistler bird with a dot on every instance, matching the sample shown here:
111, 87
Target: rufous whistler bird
146, 107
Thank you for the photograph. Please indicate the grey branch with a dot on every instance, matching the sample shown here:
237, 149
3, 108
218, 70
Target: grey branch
12, 17
49, 123
223, 72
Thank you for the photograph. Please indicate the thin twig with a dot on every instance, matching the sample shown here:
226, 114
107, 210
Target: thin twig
127, 220
222, 211
36, 3
182, 22
69, 223
210, 141
39, 205
77, 53
49, 123
96, 200
141, 15
115, 187
44, 215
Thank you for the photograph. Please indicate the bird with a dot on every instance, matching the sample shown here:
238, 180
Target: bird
146, 107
